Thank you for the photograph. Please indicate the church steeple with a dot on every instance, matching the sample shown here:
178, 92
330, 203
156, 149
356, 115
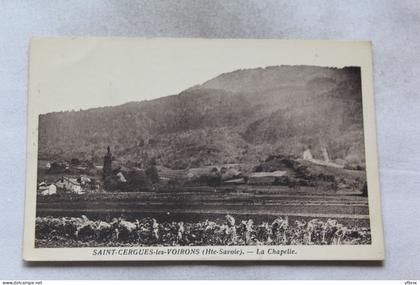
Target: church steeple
107, 170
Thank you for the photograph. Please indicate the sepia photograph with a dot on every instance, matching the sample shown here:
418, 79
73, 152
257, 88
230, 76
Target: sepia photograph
201, 149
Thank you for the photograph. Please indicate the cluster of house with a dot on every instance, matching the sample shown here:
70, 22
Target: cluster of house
74, 166
66, 184
230, 174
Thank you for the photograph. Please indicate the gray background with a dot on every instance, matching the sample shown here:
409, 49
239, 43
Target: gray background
393, 27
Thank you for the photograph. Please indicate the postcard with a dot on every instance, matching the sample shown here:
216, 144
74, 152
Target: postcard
201, 149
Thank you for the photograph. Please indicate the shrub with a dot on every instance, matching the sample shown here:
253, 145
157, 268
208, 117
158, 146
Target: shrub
137, 180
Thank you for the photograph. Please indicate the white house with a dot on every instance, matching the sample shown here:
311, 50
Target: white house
48, 190
307, 154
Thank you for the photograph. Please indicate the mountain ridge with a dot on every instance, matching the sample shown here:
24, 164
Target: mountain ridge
240, 116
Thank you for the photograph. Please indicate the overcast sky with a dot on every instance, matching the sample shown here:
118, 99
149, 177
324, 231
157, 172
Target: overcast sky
73, 74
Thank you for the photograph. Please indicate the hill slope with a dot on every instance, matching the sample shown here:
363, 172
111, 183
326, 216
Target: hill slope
241, 116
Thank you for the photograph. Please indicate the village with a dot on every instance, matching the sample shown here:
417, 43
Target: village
282, 200
79, 177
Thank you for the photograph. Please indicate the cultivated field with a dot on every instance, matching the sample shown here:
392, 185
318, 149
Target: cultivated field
197, 204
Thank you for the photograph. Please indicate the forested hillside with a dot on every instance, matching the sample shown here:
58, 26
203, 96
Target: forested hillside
241, 116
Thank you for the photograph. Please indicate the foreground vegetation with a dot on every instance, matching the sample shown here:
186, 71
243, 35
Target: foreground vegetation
83, 232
